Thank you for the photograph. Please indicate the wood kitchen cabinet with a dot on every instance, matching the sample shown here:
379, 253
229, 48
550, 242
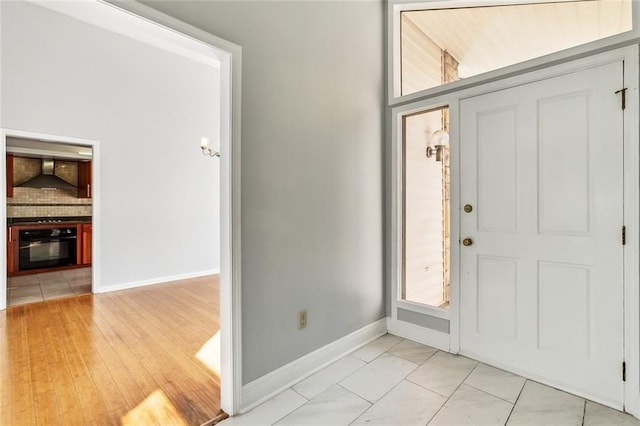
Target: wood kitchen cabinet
12, 250
84, 179
9, 168
87, 231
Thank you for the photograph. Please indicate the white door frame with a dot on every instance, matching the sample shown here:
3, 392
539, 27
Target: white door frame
631, 198
175, 35
439, 340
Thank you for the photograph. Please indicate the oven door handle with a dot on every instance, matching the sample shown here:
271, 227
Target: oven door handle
47, 240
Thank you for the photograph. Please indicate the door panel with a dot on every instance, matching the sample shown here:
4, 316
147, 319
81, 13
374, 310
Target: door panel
498, 189
571, 335
497, 280
564, 197
542, 284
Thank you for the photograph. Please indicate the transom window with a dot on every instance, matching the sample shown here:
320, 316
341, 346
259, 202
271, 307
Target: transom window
442, 45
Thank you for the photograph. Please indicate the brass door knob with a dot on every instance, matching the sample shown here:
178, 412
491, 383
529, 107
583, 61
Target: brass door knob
467, 242
468, 208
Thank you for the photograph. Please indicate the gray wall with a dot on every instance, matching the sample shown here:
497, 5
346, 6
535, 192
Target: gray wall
312, 111
147, 108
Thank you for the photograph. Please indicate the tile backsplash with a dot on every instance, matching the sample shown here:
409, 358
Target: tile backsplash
35, 202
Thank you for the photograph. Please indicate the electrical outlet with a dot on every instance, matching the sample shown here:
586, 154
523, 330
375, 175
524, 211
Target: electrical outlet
302, 319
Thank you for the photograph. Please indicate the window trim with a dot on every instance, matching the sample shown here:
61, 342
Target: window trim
397, 214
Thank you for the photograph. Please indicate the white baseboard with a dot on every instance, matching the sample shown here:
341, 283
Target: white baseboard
419, 334
267, 386
152, 281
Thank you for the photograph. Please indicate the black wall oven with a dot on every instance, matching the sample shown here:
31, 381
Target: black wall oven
47, 248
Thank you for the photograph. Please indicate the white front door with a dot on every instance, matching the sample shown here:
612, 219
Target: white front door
542, 279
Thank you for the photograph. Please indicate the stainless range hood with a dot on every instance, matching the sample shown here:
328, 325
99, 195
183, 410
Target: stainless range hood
47, 178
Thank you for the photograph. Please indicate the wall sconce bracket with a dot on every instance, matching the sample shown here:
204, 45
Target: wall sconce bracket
210, 152
435, 150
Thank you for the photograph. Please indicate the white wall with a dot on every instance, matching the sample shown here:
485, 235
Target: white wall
312, 119
147, 108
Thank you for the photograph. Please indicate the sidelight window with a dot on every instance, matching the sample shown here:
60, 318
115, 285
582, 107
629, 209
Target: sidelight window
426, 217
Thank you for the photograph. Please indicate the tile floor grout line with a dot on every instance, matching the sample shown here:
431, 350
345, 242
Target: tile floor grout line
344, 378
285, 415
355, 394
584, 412
380, 354
371, 404
418, 366
516, 401
456, 389
397, 384
428, 358
489, 393
305, 398
441, 407
394, 386
360, 415
402, 339
41, 291
424, 387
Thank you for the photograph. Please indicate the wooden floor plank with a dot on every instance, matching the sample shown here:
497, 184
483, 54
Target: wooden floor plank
118, 358
45, 404
21, 392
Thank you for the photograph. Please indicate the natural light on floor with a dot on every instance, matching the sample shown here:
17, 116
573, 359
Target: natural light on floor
209, 354
155, 409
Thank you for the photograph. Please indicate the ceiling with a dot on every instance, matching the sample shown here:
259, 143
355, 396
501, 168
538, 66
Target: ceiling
486, 38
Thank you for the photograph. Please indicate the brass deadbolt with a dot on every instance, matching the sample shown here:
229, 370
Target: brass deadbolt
467, 242
468, 208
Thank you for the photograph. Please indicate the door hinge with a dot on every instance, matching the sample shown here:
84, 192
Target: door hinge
623, 95
624, 235
624, 371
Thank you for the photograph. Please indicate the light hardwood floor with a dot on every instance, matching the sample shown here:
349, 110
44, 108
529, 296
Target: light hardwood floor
138, 357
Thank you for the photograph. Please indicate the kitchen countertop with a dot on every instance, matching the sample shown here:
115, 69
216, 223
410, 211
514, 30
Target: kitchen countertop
16, 221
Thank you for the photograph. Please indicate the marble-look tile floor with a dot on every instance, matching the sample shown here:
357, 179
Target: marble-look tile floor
48, 285
393, 381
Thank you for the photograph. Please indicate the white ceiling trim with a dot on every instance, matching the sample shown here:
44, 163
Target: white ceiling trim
113, 19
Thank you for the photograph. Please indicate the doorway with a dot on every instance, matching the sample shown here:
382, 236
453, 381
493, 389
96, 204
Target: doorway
541, 262
49, 219
51, 192
138, 20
